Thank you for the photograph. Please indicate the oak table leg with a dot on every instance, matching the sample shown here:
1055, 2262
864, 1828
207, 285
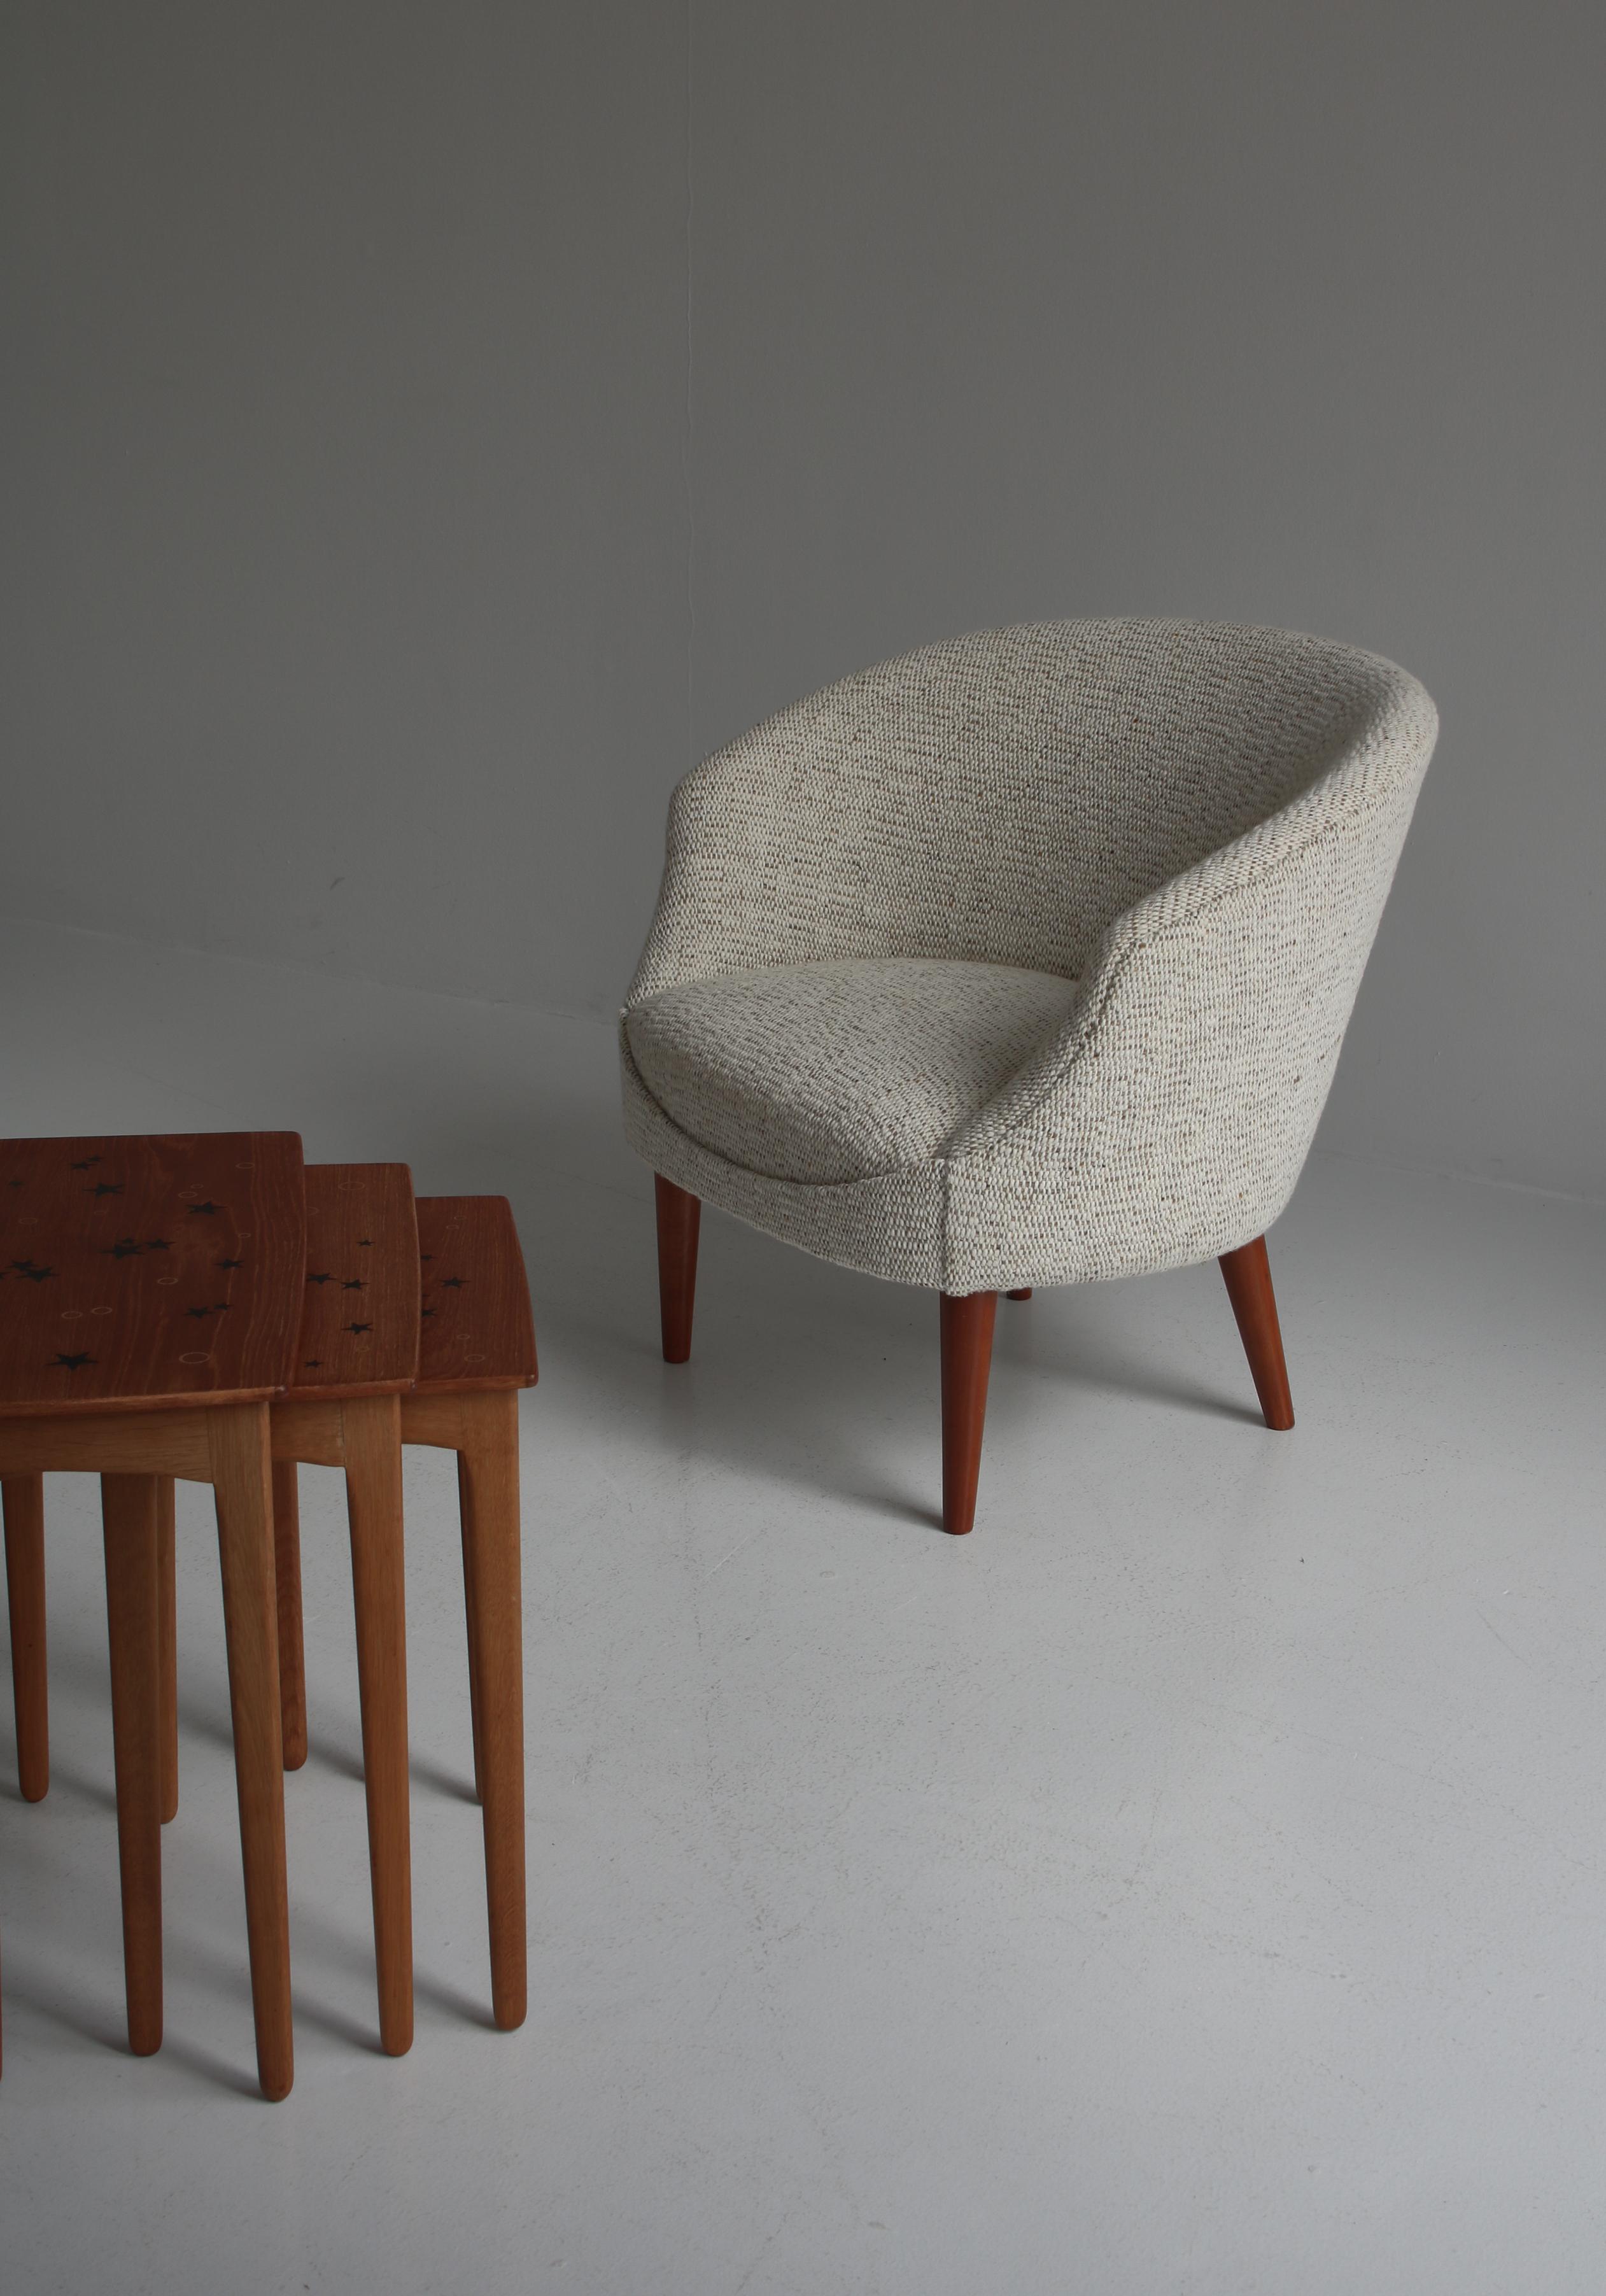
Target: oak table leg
24, 1503
1249, 1281
967, 1354
167, 1633
374, 1501
679, 1218
130, 1511
287, 1577
488, 1483
240, 1468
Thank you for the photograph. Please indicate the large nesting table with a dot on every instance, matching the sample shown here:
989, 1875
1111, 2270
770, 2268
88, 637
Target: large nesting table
150, 1290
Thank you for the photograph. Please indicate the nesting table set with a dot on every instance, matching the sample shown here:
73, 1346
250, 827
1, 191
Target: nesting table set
210, 1308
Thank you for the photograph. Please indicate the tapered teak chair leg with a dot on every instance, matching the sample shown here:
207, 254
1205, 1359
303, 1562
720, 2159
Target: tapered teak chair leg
287, 1582
488, 1488
1023, 1294
1248, 1281
967, 1355
24, 1502
373, 1499
679, 1217
129, 1510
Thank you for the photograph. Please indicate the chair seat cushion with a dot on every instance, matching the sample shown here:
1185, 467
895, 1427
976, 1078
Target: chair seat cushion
835, 1071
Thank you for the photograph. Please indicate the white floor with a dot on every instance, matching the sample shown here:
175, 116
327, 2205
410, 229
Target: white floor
1195, 1881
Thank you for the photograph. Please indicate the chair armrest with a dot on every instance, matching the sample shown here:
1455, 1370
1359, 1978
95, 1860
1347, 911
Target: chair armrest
1169, 1119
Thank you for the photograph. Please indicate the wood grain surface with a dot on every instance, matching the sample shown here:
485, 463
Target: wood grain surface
476, 1329
148, 1272
359, 1313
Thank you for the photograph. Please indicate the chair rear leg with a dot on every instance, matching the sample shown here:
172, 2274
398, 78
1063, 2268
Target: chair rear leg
24, 1503
679, 1217
1249, 1281
967, 1355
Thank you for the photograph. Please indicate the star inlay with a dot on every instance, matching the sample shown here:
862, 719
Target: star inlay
230, 1263
206, 1208
312, 1363
354, 1284
320, 1279
105, 1188
82, 1166
71, 1362
158, 1244
125, 1248
363, 1243
34, 1275
360, 1327
453, 1282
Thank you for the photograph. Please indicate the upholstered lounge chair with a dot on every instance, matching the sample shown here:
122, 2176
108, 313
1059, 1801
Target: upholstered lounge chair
1022, 959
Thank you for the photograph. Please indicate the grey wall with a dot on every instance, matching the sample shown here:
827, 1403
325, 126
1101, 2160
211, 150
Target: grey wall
441, 423
350, 605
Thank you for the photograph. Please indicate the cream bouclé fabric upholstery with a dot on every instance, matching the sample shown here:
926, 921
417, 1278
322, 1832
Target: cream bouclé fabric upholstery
838, 1072
1024, 958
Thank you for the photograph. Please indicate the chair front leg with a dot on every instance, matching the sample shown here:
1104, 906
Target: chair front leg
967, 1355
679, 1218
1248, 1281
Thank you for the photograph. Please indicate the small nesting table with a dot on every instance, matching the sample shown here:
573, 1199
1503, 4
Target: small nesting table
468, 1328
416, 1329
150, 1295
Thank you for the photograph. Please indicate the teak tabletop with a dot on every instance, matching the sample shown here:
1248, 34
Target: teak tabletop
359, 1314
476, 1330
140, 1275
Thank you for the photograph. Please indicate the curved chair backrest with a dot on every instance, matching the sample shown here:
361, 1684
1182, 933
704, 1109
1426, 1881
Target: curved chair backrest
1006, 795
